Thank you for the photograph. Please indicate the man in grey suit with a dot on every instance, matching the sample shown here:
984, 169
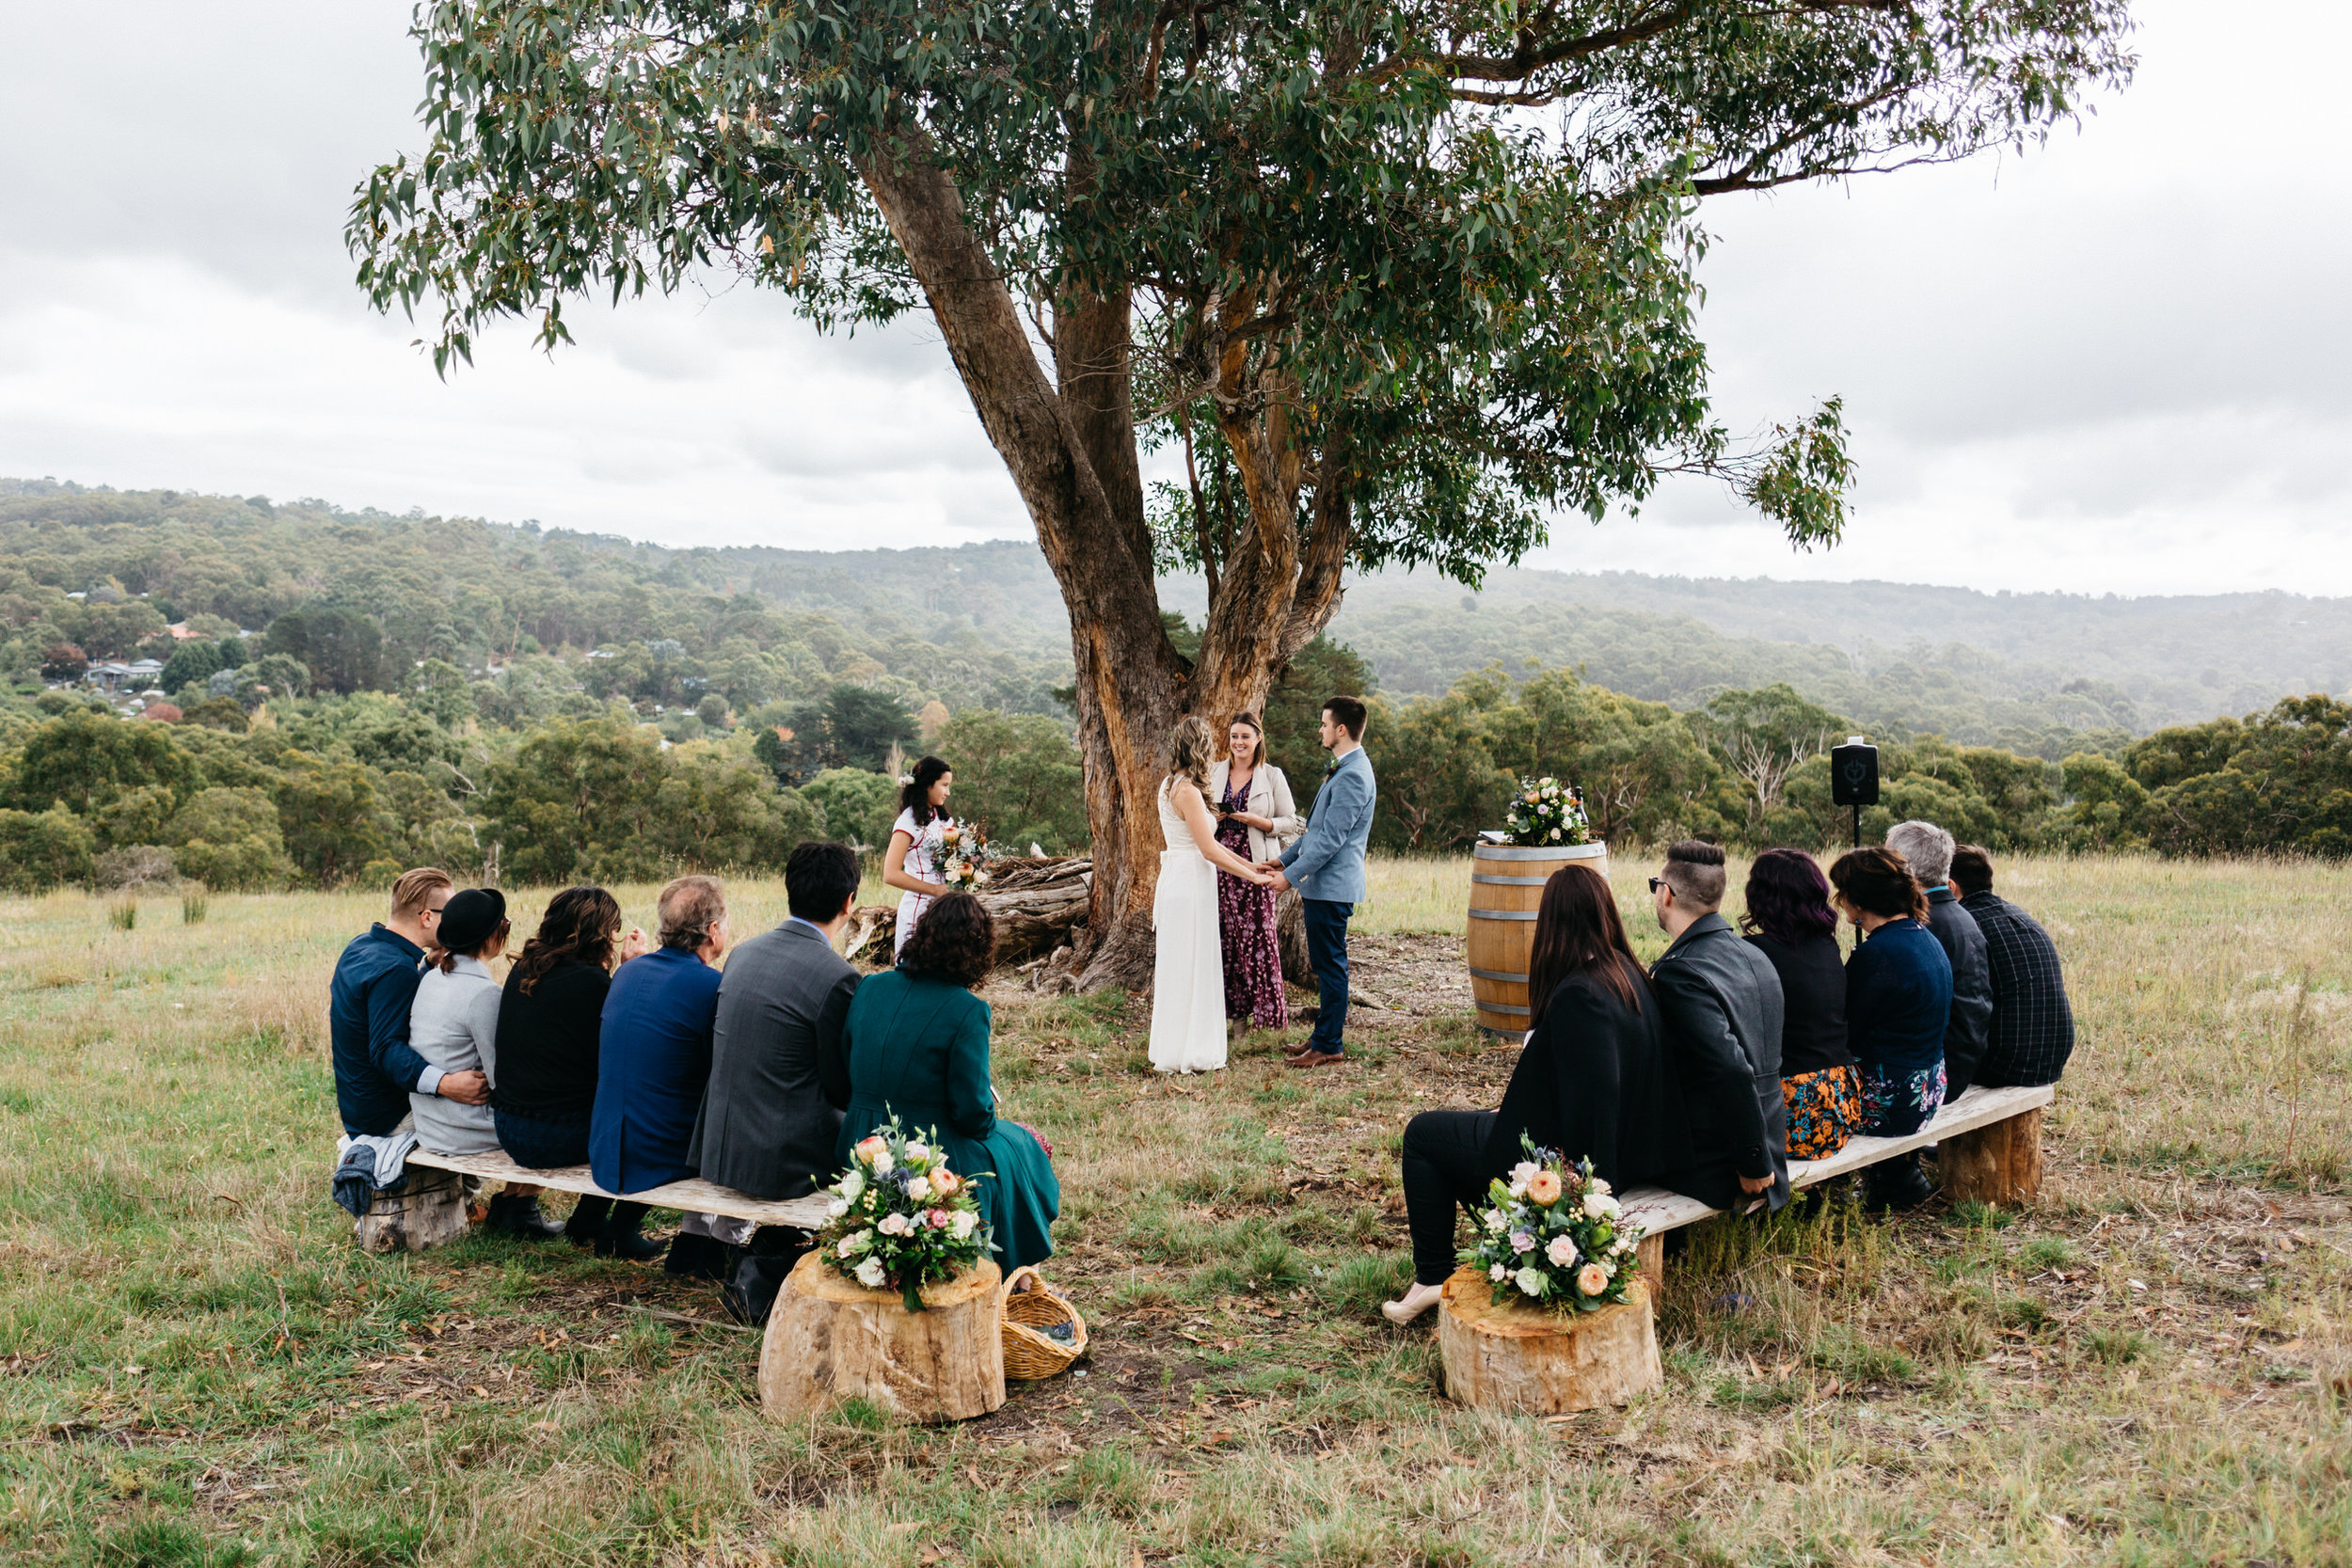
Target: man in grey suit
779, 1072
1326, 865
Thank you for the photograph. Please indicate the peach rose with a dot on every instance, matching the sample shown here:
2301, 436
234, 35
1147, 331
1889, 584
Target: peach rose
1592, 1280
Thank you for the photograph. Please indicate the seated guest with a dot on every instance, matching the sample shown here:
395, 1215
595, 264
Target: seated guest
453, 1024
367, 1015
1928, 850
1593, 1083
918, 1042
1789, 920
653, 1057
548, 1016
779, 1073
1723, 1008
2033, 1027
1899, 999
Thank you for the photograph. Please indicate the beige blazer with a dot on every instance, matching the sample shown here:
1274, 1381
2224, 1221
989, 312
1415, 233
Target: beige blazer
1269, 798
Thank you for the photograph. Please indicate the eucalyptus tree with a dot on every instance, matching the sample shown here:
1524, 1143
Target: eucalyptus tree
1387, 281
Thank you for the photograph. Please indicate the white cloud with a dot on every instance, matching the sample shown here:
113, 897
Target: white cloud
2115, 364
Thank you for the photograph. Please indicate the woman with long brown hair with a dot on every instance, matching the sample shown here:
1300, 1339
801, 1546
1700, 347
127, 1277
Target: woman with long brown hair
1256, 818
1593, 1083
1898, 998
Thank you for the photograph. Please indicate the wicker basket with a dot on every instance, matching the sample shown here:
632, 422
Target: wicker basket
1029, 1308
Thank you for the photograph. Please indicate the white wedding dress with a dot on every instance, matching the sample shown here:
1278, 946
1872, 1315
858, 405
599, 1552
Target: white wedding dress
1189, 974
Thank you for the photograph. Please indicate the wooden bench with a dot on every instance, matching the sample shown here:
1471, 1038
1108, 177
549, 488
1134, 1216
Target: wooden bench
1988, 1149
432, 1209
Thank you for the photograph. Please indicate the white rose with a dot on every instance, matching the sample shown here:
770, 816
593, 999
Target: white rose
1531, 1281
918, 1151
1597, 1185
964, 1224
1498, 1274
858, 1242
1598, 1206
852, 1184
1497, 1220
883, 1163
838, 1208
919, 1189
894, 1224
870, 1274
1560, 1251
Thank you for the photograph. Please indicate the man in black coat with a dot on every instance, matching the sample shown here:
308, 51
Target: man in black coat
1929, 848
779, 1070
2033, 1024
1723, 1009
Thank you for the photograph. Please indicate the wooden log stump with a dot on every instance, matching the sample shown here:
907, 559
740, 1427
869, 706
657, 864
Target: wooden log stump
1532, 1361
1649, 1256
431, 1209
829, 1338
1999, 1163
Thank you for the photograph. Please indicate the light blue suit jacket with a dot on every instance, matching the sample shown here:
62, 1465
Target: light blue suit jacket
1328, 862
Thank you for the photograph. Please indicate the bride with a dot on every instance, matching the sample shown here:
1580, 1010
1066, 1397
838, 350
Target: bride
1189, 974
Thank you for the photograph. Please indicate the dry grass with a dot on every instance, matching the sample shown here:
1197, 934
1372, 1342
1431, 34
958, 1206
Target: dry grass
2152, 1366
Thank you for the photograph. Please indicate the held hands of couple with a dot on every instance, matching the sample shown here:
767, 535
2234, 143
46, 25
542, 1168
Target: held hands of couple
469, 1087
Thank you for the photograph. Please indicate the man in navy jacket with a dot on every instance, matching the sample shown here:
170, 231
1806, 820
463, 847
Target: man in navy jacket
367, 1014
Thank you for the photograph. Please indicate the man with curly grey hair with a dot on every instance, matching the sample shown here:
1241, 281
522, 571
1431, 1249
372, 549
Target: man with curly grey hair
1929, 848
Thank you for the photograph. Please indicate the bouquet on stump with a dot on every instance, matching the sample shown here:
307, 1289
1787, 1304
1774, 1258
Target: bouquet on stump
900, 1217
1545, 813
1553, 1233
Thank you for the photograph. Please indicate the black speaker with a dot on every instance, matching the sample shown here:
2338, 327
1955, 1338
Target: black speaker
1853, 774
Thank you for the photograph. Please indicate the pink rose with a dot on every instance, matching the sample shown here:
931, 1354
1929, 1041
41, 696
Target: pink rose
896, 1224
937, 1218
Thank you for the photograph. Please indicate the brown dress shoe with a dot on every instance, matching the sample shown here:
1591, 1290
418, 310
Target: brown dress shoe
1317, 1058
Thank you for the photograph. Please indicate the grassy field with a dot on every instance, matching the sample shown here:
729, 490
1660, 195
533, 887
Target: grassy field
2152, 1366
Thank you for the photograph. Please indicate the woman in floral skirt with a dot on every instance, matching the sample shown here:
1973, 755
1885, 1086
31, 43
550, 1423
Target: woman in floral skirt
1898, 992
1256, 818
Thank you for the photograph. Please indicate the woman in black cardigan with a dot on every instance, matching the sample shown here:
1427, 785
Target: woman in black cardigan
1593, 1083
550, 1016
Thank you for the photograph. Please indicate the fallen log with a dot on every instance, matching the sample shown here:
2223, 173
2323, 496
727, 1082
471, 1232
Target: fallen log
1035, 905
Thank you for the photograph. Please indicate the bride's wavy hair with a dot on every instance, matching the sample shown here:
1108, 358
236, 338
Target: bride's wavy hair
1192, 752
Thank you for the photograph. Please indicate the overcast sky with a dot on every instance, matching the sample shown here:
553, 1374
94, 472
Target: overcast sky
2117, 364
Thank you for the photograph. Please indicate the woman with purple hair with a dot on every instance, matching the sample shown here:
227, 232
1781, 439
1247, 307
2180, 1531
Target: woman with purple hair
1791, 921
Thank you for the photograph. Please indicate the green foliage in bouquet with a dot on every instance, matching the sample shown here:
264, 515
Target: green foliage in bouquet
900, 1217
1553, 1233
1547, 812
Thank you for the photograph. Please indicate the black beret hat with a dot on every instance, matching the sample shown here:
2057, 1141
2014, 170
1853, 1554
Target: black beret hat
471, 919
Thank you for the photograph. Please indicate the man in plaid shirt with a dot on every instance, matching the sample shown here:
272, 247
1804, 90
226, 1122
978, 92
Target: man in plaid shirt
2033, 1028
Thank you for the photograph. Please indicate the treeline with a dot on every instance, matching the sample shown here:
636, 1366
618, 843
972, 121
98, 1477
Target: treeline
371, 602
1751, 769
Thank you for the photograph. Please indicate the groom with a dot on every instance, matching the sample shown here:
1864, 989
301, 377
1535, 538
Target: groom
1326, 865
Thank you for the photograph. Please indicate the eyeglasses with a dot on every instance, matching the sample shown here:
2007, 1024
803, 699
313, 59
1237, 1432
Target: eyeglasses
1657, 883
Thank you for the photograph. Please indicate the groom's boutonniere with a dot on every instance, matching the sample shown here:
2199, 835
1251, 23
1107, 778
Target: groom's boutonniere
1330, 767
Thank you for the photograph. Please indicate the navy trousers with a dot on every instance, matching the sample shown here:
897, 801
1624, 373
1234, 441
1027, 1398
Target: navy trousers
1326, 951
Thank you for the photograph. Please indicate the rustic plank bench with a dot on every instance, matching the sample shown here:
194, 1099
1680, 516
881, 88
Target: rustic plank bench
433, 1208
1988, 1149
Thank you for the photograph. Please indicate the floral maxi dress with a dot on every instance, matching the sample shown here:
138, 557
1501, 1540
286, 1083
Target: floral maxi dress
1244, 923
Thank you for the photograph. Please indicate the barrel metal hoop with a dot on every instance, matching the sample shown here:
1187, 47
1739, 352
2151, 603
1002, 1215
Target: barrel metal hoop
1563, 853
1504, 1007
1511, 881
1497, 974
1502, 914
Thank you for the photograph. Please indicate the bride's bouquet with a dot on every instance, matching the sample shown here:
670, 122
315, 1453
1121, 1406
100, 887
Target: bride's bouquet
1554, 1234
899, 1217
1546, 812
964, 857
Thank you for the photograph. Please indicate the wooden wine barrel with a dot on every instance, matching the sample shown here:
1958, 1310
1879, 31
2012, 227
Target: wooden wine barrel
1506, 885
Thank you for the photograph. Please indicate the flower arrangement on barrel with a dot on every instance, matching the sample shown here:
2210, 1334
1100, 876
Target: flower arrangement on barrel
965, 854
901, 1218
1554, 1234
1546, 812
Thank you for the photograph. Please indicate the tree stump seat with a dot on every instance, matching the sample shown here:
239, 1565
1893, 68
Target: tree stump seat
829, 1338
1529, 1360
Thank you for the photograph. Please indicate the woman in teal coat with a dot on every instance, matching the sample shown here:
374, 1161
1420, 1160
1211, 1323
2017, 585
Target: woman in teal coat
917, 1041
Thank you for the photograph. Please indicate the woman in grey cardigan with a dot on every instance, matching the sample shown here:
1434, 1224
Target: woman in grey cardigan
1256, 818
454, 1025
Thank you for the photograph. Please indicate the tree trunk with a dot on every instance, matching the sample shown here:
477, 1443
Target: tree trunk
1070, 445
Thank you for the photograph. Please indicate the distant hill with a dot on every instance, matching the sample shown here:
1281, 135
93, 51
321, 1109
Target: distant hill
983, 623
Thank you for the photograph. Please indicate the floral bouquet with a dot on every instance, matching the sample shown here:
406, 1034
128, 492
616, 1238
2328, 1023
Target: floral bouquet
901, 1217
1546, 812
1555, 1234
964, 856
